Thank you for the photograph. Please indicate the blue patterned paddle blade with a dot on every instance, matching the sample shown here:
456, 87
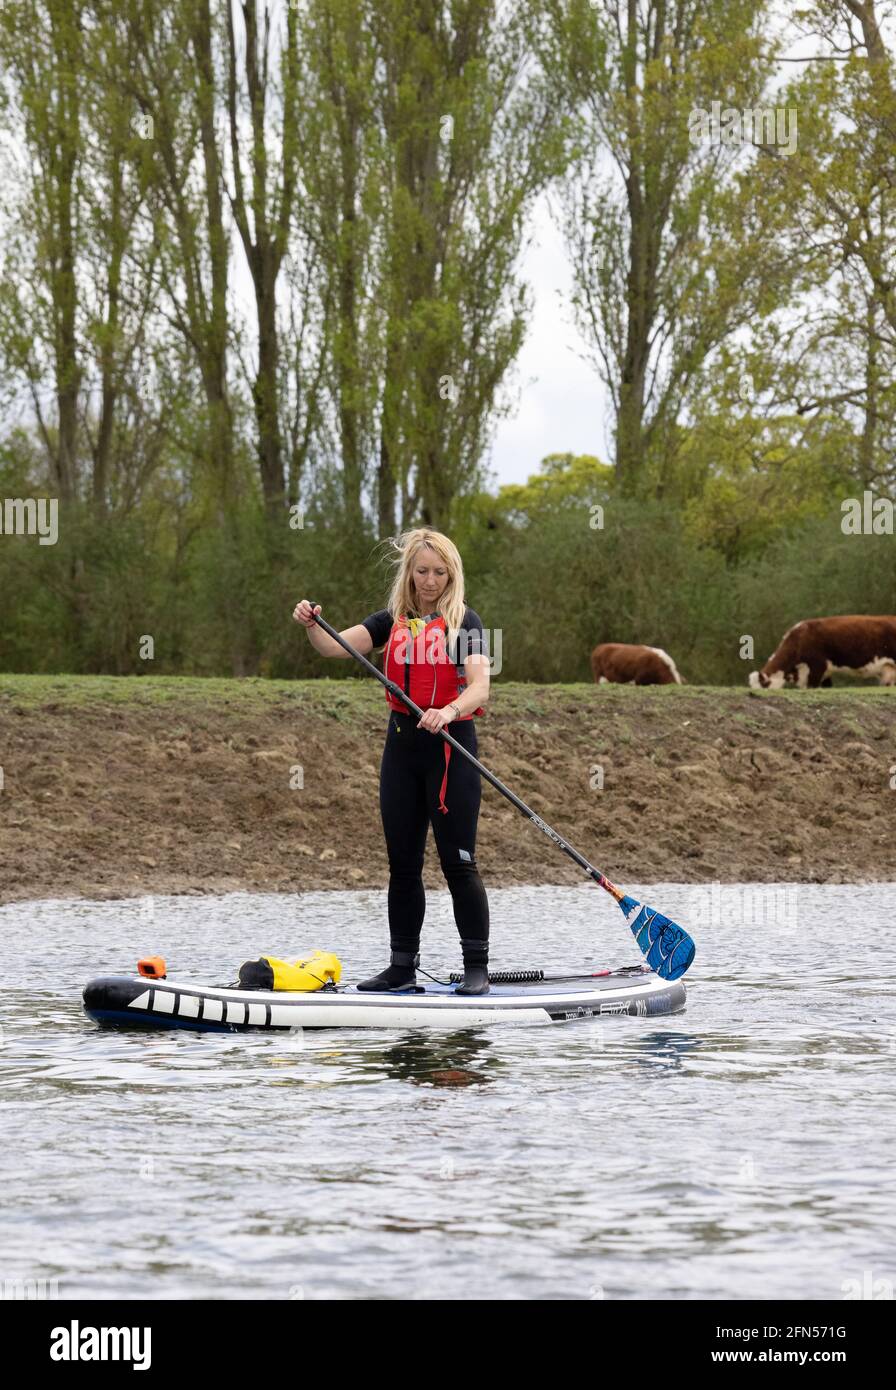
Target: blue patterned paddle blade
668, 948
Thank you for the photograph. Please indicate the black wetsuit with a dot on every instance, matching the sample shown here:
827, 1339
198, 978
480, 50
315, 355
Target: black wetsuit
411, 773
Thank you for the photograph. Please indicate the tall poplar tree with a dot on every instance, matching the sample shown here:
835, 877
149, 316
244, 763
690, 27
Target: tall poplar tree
669, 257
472, 137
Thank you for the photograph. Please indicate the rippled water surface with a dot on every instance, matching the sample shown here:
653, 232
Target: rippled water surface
743, 1148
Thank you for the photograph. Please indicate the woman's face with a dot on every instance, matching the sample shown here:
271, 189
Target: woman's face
430, 576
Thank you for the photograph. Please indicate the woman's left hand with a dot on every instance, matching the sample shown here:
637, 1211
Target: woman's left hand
436, 719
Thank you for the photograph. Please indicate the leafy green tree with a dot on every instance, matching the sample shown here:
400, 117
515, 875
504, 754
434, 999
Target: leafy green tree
472, 136
670, 256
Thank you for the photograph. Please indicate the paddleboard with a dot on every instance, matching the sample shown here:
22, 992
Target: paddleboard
132, 1000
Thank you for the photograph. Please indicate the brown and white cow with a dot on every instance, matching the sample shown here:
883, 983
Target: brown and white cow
812, 650
632, 665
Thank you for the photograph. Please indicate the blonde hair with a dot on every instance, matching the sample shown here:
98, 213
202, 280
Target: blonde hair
402, 599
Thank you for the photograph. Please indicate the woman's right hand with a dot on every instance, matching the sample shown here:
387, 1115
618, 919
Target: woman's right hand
303, 612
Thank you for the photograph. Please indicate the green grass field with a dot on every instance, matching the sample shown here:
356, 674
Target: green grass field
356, 691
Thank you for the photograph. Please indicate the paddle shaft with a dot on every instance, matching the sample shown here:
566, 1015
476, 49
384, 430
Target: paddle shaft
489, 776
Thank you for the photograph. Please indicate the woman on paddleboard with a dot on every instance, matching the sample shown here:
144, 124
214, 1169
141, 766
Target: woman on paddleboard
434, 650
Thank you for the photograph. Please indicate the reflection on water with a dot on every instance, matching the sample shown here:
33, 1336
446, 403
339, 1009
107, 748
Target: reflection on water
665, 1048
740, 1149
464, 1058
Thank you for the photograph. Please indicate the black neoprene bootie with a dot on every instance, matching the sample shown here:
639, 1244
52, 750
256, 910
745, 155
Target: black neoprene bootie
401, 974
475, 967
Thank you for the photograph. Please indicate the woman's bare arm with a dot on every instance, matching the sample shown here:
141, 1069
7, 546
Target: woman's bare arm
358, 635
476, 692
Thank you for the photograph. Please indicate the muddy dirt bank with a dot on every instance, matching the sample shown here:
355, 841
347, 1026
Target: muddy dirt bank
120, 787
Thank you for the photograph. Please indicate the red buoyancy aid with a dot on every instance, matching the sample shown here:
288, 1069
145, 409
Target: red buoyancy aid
417, 659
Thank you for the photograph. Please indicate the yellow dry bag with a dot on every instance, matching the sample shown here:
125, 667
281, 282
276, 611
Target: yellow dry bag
315, 972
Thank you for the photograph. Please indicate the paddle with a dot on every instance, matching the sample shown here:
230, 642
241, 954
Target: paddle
668, 948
